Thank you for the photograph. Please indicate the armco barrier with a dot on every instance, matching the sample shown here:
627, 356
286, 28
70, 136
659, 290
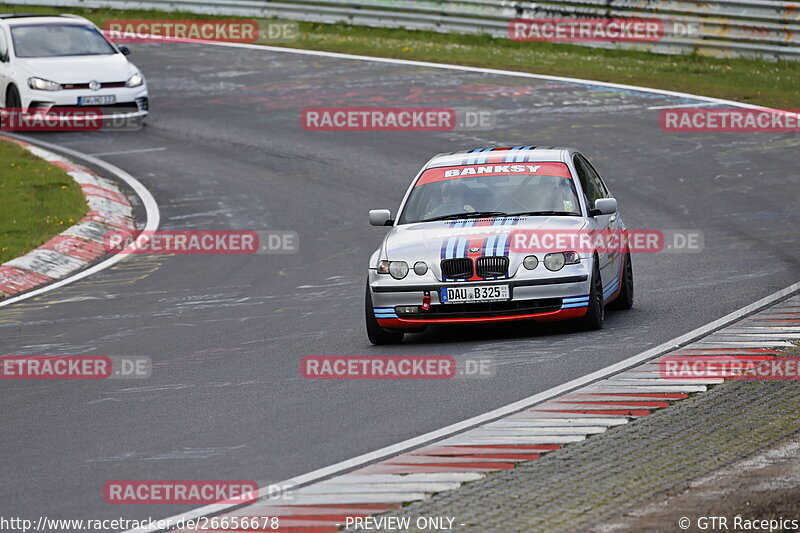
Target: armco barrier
768, 29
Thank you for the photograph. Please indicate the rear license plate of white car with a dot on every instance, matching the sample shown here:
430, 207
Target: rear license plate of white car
477, 293
97, 100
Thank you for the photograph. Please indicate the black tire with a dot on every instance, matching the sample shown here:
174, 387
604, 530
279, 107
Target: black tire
596, 314
375, 333
624, 299
13, 101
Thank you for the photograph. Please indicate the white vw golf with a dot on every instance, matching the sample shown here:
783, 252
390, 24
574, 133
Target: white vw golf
52, 62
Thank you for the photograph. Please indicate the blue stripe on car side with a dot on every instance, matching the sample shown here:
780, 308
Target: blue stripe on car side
507, 244
489, 246
572, 302
451, 242
610, 289
530, 156
462, 247
511, 154
501, 243
576, 298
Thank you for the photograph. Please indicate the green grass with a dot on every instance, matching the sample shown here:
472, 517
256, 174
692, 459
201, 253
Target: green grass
37, 201
760, 82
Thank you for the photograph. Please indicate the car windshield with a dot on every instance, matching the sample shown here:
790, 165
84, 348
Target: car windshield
57, 40
440, 195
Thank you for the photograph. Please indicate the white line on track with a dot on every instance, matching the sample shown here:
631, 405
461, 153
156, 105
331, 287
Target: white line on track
150, 205
122, 152
336, 55
698, 104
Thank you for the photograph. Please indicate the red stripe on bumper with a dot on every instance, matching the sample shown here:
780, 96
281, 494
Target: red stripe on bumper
560, 314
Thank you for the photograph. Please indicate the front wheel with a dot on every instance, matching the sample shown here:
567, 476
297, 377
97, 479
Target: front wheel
625, 298
596, 314
13, 101
375, 333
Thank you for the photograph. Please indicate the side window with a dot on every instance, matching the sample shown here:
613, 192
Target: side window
3, 45
595, 188
587, 183
595, 177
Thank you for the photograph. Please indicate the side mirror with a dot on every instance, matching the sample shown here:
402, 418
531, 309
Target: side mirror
604, 206
380, 217
125, 50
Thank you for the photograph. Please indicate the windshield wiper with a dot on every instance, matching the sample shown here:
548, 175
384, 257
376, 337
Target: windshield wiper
473, 214
544, 213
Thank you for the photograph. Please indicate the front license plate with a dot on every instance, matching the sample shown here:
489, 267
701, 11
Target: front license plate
478, 293
109, 99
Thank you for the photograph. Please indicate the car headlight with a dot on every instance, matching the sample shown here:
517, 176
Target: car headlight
420, 268
554, 261
398, 269
135, 80
530, 262
557, 260
43, 85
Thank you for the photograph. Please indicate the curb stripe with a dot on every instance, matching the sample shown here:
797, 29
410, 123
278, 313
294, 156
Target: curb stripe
23, 283
71, 250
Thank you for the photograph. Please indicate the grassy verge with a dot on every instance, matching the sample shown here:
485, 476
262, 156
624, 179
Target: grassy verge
753, 81
37, 201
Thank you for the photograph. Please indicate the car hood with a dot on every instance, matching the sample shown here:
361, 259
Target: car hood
79, 69
429, 241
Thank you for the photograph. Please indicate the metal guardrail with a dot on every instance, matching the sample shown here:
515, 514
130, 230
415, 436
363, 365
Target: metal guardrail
767, 29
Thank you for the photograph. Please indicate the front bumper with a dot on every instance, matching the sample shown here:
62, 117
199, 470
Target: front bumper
559, 297
131, 102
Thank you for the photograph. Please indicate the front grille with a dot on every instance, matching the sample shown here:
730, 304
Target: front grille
487, 309
457, 268
106, 85
492, 267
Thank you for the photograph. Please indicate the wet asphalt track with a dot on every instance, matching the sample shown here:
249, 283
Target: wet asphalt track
224, 150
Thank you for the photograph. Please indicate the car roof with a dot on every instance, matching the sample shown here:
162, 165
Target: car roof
25, 18
500, 154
